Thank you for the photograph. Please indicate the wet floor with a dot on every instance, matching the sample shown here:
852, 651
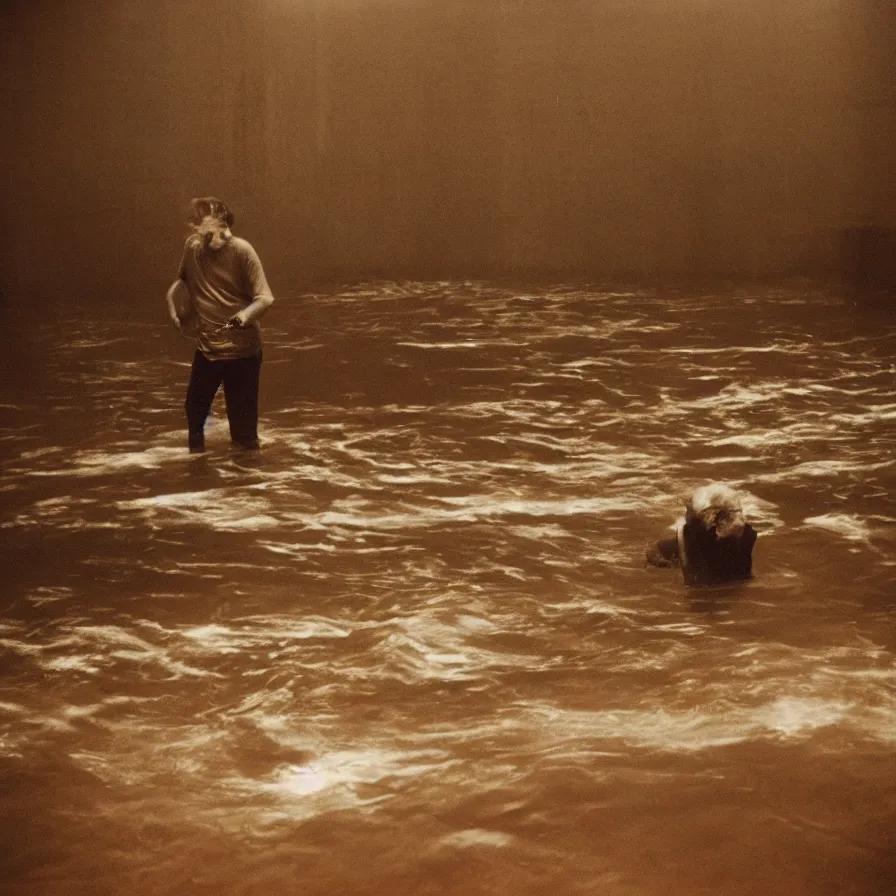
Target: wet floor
412, 647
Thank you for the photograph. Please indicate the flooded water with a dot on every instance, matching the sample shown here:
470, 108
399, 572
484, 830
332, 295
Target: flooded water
412, 647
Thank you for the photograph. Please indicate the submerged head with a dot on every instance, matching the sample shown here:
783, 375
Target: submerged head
718, 509
211, 219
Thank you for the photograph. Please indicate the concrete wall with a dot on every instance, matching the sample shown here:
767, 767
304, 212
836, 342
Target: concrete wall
442, 137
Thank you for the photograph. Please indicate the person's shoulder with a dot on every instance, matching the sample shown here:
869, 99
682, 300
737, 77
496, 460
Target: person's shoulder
242, 246
664, 552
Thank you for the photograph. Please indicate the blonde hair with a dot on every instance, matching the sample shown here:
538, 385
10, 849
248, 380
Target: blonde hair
710, 502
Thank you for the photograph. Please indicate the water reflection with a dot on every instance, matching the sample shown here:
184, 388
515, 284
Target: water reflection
412, 646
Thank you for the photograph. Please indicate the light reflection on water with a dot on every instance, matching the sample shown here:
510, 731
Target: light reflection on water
412, 647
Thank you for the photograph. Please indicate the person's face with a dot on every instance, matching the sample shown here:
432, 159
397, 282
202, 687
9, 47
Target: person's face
730, 523
213, 231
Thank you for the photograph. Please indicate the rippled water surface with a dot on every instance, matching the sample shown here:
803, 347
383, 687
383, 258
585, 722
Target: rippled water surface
412, 647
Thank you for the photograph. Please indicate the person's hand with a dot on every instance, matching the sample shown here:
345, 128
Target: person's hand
237, 322
175, 322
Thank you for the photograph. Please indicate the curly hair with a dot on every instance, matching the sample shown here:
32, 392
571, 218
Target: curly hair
717, 507
210, 207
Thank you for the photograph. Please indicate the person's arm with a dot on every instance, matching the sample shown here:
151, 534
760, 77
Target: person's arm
178, 287
664, 553
262, 297
252, 312
178, 290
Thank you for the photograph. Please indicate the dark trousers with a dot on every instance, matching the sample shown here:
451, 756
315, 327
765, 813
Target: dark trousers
240, 378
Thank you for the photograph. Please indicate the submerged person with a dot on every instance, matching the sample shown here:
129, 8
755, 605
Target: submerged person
714, 543
219, 297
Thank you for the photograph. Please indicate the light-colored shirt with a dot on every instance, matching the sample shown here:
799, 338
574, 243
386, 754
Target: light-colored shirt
221, 282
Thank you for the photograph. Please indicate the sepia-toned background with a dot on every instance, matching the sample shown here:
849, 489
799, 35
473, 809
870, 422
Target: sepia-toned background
434, 137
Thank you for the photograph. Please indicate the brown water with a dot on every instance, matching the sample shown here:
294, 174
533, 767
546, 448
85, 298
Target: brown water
412, 647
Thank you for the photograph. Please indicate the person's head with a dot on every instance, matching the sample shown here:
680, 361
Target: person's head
211, 219
717, 508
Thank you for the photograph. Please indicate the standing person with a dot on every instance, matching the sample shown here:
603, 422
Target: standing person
226, 296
